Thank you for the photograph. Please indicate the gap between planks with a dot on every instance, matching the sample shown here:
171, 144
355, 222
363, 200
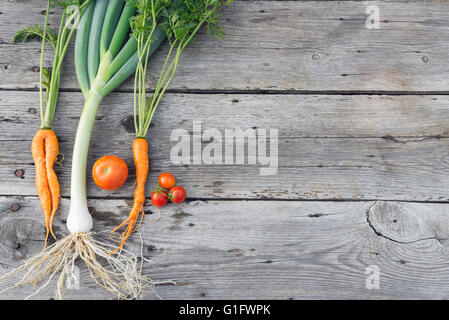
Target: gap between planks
206, 199
263, 92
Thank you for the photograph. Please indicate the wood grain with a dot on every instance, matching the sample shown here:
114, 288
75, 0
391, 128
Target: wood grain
309, 69
281, 45
330, 147
262, 249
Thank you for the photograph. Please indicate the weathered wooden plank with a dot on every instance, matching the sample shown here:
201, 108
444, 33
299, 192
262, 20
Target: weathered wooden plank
300, 116
263, 249
282, 45
329, 147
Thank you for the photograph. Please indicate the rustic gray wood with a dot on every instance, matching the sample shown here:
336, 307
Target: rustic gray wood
281, 45
330, 147
263, 249
306, 68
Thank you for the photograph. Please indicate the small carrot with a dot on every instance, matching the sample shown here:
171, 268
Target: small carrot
45, 149
51, 154
141, 161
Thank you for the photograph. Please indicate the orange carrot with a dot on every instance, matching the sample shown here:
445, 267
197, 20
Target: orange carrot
141, 161
51, 154
45, 149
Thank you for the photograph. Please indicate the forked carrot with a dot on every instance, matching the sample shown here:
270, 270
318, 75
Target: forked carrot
45, 149
51, 154
45, 146
140, 152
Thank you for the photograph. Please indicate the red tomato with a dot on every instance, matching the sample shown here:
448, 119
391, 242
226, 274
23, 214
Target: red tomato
177, 194
110, 172
159, 198
166, 180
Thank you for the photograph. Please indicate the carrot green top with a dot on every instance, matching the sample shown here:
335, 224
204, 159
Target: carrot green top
50, 79
180, 20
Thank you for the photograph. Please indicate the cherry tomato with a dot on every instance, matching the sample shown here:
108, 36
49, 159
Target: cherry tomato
110, 172
166, 180
159, 198
177, 194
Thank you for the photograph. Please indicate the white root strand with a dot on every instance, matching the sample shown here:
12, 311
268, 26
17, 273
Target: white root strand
123, 278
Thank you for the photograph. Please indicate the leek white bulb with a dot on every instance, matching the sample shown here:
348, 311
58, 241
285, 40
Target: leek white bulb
79, 219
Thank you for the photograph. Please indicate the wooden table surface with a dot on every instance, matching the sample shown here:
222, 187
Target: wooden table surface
363, 151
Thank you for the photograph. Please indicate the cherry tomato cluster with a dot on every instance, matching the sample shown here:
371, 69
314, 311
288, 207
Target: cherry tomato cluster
167, 190
111, 172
